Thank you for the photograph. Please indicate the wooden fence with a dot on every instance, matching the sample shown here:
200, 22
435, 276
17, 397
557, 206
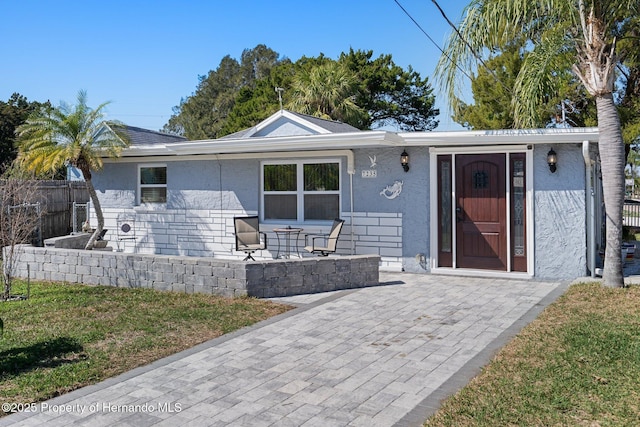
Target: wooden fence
56, 200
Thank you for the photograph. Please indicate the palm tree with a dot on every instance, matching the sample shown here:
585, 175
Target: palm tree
327, 91
71, 135
562, 35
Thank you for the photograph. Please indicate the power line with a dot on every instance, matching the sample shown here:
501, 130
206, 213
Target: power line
432, 41
473, 51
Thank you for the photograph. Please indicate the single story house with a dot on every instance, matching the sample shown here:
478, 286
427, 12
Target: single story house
467, 202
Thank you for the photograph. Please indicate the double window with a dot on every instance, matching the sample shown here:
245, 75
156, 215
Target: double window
152, 184
303, 190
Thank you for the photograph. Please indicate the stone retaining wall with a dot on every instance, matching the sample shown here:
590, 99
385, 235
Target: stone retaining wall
230, 278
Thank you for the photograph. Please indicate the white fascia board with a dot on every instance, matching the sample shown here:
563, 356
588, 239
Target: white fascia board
501, 137
331, 141
145, 150
366, 139
234, 156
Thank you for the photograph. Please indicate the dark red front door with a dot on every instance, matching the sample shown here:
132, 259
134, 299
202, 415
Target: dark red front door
481, 214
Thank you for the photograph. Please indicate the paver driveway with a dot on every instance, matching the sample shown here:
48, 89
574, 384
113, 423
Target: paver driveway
378, 356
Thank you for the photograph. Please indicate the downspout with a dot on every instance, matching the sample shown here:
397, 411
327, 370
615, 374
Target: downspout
351, 170
591, 233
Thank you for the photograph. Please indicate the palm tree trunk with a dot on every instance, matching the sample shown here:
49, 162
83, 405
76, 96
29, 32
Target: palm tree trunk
612, 158
98, 209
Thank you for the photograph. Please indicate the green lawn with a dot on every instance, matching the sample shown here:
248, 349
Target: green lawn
68, 336
578, 364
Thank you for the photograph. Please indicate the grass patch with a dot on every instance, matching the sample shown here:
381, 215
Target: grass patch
68, 336
577, 364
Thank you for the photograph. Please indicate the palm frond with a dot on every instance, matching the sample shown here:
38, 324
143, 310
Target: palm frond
488, 26
538, 80
69, 134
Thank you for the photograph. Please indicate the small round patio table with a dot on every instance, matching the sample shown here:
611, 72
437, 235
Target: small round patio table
285, 235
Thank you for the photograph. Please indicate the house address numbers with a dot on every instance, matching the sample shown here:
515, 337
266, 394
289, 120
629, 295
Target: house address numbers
369, 173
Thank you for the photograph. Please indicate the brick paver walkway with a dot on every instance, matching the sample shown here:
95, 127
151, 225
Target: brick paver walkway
379, 356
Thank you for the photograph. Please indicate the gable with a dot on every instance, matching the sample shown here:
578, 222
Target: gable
287, 123
284, 126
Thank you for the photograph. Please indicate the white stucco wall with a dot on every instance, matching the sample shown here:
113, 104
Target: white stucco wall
560, 214
410, 210
205, 195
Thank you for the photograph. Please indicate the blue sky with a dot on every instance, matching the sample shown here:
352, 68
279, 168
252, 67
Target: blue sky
144, 56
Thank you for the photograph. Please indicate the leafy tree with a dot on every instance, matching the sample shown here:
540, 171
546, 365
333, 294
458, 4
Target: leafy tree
254, 104
256, 64
327, 91
391, 95
629, 81
493, 86
76, 135
364, 92
633, 161
203, 114
492, 89
578, 35
12, 114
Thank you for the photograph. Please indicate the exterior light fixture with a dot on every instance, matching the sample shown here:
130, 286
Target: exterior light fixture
552, 160
404, 161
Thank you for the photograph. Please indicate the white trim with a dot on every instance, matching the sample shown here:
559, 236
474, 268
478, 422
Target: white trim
286, 114
238, 156
434, 225
329, 141
519, 148
507, 195
433, 211
530, 231
140, 185
497, 138
366, 139
590, 181
300, 192
468, 272
454, 212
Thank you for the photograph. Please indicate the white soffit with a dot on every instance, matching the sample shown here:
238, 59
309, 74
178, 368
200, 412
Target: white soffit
366, 139
331, 141
501, 137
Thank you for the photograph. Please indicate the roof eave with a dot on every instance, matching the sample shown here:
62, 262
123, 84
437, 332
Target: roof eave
269, 144
501, 137
145, 150
366, 139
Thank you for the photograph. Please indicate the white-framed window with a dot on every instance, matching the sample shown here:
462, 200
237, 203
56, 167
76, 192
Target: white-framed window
300, 190
152, 183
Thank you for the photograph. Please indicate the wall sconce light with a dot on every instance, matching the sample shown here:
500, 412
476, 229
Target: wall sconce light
552, 160
404, 160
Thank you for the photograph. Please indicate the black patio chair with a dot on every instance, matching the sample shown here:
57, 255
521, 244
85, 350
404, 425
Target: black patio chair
324, 244
249, 238
102, 234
